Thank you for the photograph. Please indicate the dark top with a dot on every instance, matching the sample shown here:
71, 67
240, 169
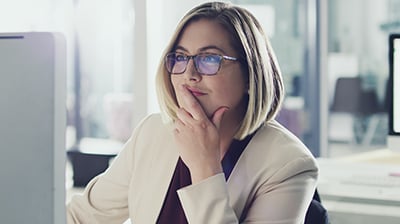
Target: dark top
172, 211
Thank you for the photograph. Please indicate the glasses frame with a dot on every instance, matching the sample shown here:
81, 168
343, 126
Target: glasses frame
188, 57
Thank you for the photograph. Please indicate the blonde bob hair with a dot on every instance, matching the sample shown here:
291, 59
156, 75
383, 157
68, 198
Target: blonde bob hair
255, 53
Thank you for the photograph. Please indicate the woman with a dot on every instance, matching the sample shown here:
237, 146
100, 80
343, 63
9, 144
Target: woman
216, 155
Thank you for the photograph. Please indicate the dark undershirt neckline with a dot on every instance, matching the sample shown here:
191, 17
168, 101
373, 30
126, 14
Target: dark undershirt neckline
172, 211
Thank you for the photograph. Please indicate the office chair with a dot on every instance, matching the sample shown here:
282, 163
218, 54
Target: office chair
345, 110
347, 95
316, 213
363, 106
371, 115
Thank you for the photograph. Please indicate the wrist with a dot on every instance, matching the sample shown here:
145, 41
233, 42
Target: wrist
201, 173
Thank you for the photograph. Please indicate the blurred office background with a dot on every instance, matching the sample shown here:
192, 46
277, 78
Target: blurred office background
333, 54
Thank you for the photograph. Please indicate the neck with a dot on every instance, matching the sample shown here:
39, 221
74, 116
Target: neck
230, 124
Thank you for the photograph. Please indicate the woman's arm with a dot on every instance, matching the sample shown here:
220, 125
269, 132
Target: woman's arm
286, 197
283, 199
105, 198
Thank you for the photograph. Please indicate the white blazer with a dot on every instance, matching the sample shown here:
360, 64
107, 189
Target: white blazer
272, 182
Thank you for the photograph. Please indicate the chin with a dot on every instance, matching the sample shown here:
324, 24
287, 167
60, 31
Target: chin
210, 112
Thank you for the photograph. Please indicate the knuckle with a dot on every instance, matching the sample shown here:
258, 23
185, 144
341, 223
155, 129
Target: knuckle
194, 104
203, 124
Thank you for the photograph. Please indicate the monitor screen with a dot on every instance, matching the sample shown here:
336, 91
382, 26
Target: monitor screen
394, 92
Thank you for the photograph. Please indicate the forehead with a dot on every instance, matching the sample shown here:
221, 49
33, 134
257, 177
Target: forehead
204, 34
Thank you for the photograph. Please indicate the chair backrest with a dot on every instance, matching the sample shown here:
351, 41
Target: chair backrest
350, 97
316, 213
347, 95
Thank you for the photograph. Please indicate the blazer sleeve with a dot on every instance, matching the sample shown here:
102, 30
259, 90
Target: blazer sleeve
283, 198
105, 198
287, 195
207, 201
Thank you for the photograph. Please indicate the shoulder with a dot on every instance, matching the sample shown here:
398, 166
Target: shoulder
150, 136
277, 139
153, 123
150, 128
279, 149
152, 119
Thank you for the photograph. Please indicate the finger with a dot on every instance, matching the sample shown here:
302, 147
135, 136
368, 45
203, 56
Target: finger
179, 123
217, 116
184, 117
190, 103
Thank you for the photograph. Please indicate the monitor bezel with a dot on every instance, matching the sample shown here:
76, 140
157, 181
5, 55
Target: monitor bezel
392, 38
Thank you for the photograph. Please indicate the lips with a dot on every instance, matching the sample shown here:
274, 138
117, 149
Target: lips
196, 92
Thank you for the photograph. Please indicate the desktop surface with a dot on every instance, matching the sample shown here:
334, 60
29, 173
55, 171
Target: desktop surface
363, 188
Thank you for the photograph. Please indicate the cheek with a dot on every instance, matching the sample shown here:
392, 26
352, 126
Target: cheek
174, 82
231, 92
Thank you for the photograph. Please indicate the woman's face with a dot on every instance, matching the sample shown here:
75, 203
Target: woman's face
228, 86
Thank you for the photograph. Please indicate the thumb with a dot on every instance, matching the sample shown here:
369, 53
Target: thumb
217, 116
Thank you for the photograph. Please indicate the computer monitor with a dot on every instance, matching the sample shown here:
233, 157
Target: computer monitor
393, 140
32, 128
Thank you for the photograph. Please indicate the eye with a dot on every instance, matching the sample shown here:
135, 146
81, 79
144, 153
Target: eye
210, 58
180, 57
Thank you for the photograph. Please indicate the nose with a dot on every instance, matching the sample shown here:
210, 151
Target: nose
191, 73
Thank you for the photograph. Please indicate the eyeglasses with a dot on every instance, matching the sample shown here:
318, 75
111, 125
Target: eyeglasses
205, 64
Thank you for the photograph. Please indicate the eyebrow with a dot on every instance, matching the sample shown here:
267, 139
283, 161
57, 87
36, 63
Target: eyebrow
209, 47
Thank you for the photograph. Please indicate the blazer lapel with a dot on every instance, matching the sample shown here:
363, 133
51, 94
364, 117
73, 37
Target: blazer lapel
240, 181
157, 183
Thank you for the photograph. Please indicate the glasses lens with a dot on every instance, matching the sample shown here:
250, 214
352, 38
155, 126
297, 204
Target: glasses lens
169, 62
208, 64
176, 63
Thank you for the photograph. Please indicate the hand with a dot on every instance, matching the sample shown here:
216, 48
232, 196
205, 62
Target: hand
198, 137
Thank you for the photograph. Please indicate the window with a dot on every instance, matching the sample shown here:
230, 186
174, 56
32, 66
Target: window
103, 72
358, 66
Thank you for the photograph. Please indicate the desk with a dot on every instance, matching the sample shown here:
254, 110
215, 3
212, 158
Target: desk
349, 202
